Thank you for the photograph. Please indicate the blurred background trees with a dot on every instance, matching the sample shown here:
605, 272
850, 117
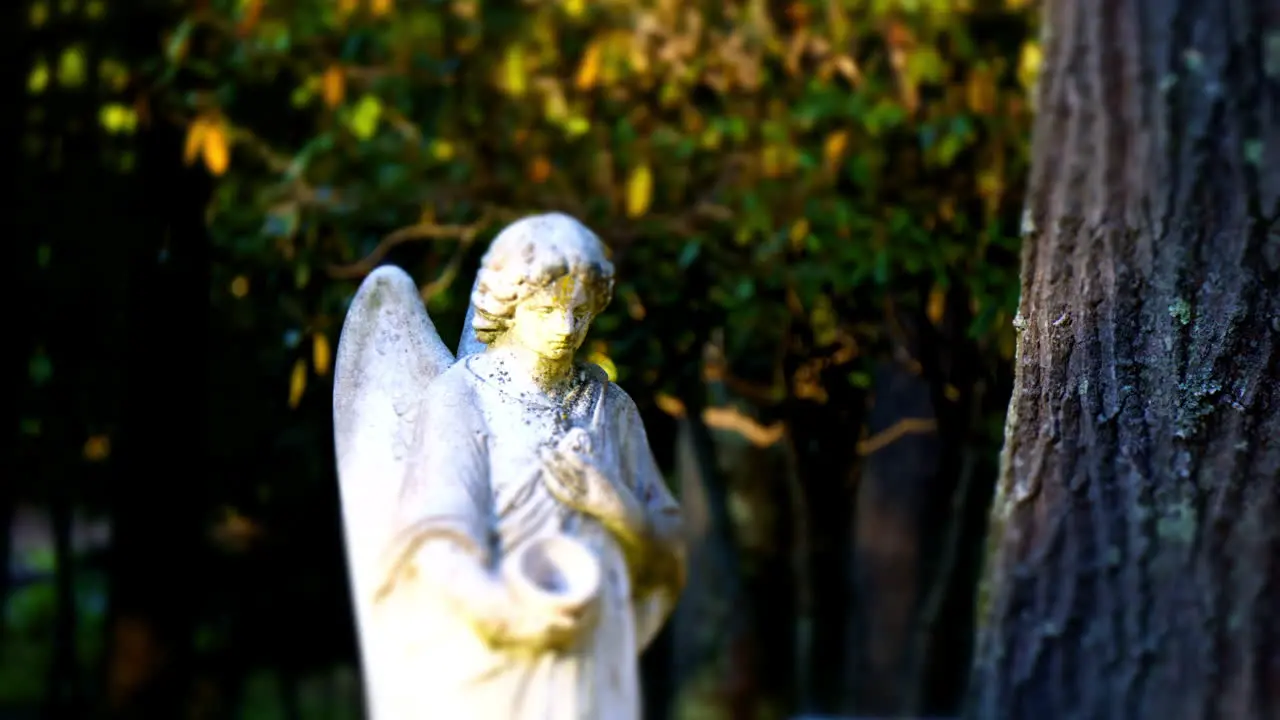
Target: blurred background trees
814, 209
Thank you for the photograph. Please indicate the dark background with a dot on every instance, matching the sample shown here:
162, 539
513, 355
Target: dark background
827, 397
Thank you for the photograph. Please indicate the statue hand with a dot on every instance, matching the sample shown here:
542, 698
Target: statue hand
553, 589
573, 478
540, 627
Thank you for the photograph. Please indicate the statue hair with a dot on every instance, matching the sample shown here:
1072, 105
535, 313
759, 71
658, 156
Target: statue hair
529, 255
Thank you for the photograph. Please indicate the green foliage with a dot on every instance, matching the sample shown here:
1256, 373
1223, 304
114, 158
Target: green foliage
804, 160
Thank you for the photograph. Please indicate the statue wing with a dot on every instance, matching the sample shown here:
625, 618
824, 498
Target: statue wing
388, 353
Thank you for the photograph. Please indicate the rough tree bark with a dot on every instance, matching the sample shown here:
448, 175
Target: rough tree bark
1135, 559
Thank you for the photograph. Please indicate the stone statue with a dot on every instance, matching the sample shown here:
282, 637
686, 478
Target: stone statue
511, 543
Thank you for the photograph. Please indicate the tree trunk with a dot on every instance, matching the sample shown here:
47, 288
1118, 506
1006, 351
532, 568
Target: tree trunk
899, 481
1134, 569
714, 614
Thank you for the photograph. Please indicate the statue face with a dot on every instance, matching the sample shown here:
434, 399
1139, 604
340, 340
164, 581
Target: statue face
553, 321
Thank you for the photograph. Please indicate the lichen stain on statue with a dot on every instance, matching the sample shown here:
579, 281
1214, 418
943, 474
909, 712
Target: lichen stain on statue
511, 542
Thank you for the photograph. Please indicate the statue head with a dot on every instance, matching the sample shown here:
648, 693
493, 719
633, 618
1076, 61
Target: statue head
541, 283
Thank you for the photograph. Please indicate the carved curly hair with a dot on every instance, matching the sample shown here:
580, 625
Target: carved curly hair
530, 254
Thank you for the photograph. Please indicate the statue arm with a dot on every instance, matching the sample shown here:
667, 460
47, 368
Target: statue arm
442, 540
661, 558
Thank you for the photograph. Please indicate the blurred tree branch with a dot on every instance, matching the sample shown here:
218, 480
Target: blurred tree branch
464, 234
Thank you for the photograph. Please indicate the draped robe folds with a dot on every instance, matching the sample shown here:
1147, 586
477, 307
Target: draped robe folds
476, 482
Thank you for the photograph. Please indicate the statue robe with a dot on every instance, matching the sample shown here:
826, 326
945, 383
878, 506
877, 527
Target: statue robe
478, 483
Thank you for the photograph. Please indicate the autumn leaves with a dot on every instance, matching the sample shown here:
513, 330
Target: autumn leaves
208, 140
775, 150
639, 191
321, 358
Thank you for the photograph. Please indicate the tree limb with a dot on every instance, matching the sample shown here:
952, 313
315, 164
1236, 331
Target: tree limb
417, 232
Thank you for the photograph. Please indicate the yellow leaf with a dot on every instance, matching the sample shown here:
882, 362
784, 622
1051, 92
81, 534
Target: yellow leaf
577, 126
39, 13
71, 66
615, 50
380, 8
554, 106
937, 305
118, 118
539, 170
97, 448
365, 117
711, 138
347, 7
333, 86
320, 353
980, 91
589, 69
799, 233
669, 404
1029, 63
216, 149
990, 183
770, 161
575, 8
638, 55
639, 191
635, 306
195, 140
848, 68
297, 382
514, 79
38, 80
442, 149
234, 531
833, 149
240, 287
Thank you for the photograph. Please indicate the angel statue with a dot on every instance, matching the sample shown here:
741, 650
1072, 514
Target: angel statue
511, 543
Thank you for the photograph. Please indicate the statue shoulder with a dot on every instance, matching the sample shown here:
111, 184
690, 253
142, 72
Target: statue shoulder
596, 375
454, 389
617, 402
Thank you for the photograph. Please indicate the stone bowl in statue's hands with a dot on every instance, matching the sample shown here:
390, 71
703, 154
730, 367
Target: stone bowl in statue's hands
558, 574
